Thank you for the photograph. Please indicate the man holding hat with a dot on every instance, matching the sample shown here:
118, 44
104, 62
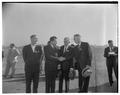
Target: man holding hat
83, 57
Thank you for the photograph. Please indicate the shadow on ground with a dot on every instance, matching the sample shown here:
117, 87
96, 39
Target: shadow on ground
104, 88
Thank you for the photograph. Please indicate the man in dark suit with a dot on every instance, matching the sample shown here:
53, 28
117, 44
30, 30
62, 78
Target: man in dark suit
51, 64
65, 51
31, 55
83, 57
111, 54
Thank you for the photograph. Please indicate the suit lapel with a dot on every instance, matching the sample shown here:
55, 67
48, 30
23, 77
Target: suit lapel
78, 50
66, 49
113, 49
30, 48
108, 49
51, 48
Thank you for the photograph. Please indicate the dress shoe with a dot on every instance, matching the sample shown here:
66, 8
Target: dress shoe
111, 83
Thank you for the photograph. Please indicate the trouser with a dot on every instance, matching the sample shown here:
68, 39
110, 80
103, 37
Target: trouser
9, 66
64, 75
50, 81
83, 82
32, 76
112, 65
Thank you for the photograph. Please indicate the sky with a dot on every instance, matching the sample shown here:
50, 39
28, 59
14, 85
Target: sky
96, 23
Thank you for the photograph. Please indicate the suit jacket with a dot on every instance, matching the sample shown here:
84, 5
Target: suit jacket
65, 65
32, 59
82, 55
107, 50
50, 62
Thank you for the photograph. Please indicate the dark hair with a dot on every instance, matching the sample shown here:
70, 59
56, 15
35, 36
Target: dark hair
12, 45
77, 35
109, 41
72, 45
32, 36
48, 42
53, 38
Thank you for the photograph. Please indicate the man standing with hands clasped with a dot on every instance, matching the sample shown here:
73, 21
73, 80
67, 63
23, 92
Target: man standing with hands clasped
31, 55
111, 54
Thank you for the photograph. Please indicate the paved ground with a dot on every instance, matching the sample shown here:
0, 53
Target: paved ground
98, 80
17, 85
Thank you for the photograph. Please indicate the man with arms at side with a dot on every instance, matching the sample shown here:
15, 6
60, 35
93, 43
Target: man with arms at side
111, 55
32, 54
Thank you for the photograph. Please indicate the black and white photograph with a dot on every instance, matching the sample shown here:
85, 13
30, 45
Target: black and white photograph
60, 47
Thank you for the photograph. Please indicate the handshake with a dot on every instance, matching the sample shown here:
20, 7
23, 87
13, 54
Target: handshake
61, 58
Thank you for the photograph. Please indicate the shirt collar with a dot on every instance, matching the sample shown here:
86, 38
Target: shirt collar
33, 45
79, 44
111, 47
66, 46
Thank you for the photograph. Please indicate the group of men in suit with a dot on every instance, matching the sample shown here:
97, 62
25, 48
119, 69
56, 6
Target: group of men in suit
63, 58
57, 59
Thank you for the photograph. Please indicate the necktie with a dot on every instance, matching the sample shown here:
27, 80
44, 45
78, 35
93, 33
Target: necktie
79, 47
111, 48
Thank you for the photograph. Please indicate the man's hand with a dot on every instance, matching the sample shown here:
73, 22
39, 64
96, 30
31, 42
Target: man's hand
71, 69
59, 67
61, 58
112, 53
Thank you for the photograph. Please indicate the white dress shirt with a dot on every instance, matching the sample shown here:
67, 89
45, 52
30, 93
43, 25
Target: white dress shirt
111, 49
65, 48
33, 47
